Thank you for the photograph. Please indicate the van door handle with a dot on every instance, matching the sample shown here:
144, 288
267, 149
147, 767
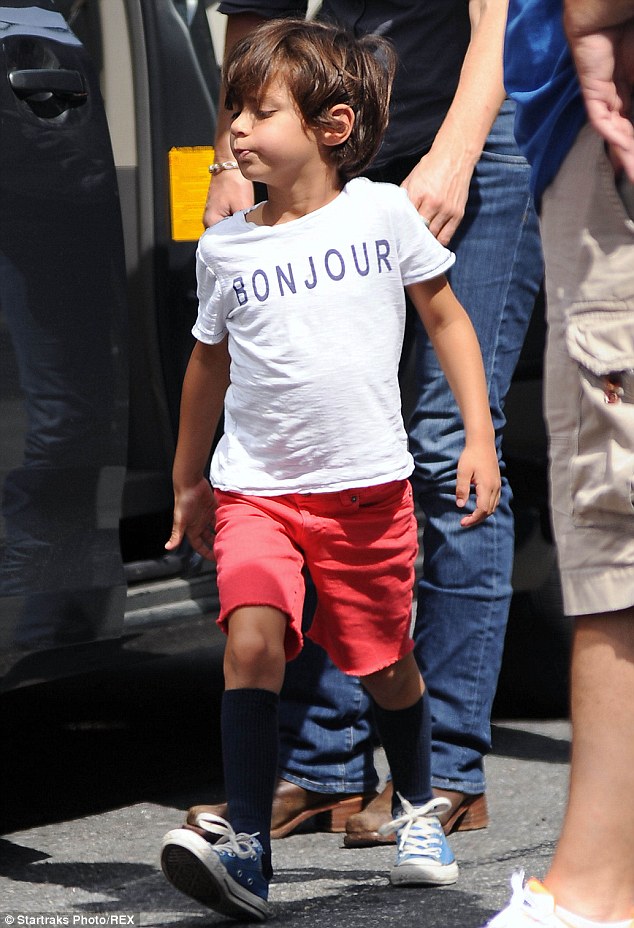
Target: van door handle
62, 83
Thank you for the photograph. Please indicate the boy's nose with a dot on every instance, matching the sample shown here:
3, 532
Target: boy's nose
238, 125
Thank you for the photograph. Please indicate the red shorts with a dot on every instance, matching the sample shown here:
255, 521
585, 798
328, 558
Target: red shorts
359, 547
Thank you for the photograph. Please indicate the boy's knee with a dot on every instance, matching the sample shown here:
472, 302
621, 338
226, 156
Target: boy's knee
396, 687
254, 653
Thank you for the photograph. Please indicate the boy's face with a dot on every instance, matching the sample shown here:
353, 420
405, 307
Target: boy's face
270, 141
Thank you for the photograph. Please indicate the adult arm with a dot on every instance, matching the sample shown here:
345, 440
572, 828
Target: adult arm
439, 184
456, 345
228, 190
601, 38
204, 387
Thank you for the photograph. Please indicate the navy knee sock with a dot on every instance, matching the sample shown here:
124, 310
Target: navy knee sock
249, 753
406, 738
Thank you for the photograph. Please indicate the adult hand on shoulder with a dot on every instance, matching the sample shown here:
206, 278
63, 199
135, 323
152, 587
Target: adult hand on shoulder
194, 517
438, 187
601, 39
228, 193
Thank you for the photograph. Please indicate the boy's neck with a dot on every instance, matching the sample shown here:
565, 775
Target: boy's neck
286, 205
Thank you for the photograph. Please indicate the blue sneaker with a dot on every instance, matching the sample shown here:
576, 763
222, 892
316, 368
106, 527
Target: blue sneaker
222, 870
423, 856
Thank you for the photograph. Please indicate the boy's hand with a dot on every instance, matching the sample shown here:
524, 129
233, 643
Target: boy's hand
478, 467
194, 516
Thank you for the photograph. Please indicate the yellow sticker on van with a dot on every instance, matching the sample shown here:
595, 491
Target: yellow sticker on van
189, 183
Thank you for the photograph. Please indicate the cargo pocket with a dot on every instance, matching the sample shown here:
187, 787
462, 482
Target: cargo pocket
602, 471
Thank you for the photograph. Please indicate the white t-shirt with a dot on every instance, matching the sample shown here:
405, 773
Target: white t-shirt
315, 313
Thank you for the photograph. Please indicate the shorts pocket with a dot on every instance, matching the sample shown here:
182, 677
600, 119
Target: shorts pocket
602, 470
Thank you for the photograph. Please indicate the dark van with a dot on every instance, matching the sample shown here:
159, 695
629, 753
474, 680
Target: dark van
107, 118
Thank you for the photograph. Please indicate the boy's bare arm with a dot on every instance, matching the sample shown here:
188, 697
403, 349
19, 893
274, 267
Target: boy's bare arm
204, 387
456, 345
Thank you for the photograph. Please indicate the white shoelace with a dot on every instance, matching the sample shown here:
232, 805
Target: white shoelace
535, 906
417, 827
522, 901
242, 845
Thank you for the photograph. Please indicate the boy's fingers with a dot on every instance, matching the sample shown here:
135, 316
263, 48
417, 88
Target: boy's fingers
203, 542
478, 515
175, 538
463, 490
486, 501
486, 504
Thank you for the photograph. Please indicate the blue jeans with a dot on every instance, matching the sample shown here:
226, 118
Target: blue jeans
464, 594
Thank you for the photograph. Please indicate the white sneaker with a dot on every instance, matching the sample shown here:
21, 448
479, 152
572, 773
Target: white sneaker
423, 856
531, 906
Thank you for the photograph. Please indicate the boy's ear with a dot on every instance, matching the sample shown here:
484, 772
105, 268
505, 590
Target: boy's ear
344, 115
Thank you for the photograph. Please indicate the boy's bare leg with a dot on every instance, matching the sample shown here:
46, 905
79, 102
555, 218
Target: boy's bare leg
254, 671
403, 717
398, 686
254, 653
592, 872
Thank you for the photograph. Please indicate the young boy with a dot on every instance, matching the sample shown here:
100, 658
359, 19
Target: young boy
299, 333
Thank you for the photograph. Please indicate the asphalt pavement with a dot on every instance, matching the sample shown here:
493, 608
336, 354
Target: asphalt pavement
100, 868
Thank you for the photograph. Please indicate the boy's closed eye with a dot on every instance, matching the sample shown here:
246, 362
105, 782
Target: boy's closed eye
259, 114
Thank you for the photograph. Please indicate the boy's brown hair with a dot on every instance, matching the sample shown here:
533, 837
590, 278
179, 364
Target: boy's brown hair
322, 66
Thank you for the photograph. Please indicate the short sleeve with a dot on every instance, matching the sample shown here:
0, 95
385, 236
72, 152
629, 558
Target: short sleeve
421, 255
210, 323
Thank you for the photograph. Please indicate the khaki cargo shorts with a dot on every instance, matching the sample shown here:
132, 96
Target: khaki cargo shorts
588, 243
